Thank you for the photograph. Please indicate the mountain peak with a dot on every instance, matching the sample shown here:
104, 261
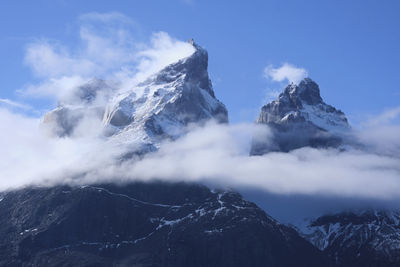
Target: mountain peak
307, 90
302, 100
299, 117
159, 107
193, 67
191, 41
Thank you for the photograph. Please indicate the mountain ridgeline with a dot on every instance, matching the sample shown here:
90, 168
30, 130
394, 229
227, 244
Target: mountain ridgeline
144, 224
182, 224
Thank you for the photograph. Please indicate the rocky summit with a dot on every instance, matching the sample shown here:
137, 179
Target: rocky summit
299, 118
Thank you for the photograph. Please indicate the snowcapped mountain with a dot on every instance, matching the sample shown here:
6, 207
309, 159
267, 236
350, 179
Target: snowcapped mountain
158, 108
144, 224
359, 238
299, 117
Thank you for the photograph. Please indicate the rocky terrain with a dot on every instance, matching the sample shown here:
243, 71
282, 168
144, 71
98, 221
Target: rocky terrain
144, 224
357, 238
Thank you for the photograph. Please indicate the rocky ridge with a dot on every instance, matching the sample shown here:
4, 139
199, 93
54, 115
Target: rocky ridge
357, 238
144, 224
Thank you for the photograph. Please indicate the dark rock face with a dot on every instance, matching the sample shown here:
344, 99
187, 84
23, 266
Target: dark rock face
366, 238
142, 224
298, 118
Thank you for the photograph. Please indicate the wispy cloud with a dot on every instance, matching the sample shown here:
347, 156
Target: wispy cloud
110, 17
110, 46
52, 60
285, 72
384, 118
107, 42
14, 104
163, 51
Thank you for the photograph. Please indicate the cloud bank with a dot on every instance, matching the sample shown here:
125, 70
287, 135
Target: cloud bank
212, 153
219, 153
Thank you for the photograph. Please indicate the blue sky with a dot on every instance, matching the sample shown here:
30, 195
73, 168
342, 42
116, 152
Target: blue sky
350, 48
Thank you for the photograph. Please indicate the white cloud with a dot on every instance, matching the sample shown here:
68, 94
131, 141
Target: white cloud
28, 156
219, 153
107, 42
164, 50
381, 132
285, 72
383, 139
55, 88
52, 60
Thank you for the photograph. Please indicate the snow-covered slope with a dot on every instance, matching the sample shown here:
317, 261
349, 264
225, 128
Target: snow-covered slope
357, 238
299, 117
158, 108
165, 103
